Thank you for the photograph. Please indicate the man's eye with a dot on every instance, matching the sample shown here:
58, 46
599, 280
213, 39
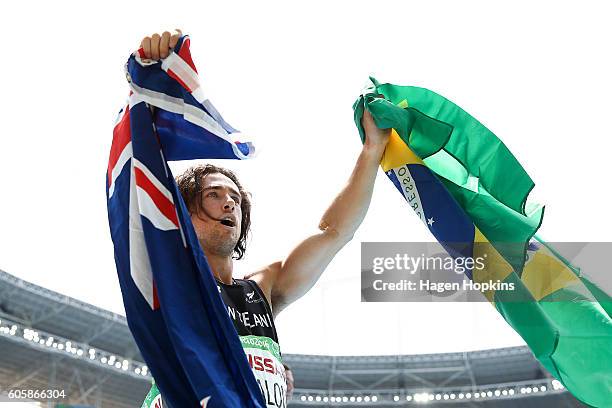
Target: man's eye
236, 199
211, 194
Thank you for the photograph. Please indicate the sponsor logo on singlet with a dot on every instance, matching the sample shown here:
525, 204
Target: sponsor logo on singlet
250, 298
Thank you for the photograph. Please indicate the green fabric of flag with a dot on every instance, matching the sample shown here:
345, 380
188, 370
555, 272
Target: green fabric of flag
563, 317
482, 174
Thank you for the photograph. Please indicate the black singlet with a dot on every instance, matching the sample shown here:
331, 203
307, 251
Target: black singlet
252, 316
248, 308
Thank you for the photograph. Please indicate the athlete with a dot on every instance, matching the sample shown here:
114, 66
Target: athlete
220, 212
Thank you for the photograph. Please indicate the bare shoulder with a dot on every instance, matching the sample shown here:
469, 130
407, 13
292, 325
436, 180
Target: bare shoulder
265, 278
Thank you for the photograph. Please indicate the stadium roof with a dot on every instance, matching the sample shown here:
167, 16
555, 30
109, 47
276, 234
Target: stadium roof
52, 312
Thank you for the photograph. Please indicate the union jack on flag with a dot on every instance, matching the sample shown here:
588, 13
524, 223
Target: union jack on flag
172, 303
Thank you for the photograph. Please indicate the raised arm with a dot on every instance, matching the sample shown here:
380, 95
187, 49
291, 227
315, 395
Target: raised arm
349, 208
290, 279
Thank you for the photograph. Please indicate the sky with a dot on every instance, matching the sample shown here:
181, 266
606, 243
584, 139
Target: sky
286, 74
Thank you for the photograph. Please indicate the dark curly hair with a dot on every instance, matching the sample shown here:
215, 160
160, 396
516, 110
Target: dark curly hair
190, 186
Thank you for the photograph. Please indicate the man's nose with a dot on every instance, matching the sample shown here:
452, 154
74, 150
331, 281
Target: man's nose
230, 204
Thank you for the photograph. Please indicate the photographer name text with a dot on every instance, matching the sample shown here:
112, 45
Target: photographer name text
441, 287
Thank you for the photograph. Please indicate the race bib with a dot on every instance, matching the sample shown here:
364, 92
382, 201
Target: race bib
264, 357
153, 398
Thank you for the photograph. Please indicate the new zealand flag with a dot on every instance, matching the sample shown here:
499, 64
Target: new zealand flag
172, 303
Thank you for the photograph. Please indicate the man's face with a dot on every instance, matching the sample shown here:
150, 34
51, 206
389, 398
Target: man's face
218, 226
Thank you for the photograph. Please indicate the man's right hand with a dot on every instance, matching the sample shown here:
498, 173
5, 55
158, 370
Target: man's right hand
158, 46
375, 137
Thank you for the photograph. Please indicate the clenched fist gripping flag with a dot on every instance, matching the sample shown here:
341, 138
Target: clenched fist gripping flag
471, 192
172, 303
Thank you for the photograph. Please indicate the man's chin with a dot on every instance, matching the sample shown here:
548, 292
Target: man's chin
225, 248
218, 239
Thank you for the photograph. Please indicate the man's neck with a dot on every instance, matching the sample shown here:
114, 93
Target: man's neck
222, 267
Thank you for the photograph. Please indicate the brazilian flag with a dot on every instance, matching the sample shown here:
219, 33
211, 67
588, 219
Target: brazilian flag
471, 192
